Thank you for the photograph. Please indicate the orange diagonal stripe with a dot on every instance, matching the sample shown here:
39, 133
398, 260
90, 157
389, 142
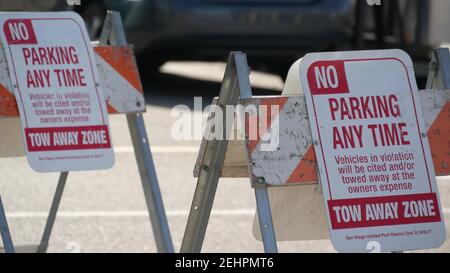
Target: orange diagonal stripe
306, 169
8, 104
439, 138
122, 60
268, 117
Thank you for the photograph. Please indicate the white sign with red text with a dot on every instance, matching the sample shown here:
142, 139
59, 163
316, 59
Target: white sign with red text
372, 151
56, 85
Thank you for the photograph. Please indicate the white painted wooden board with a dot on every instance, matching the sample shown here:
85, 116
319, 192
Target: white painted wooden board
297, 210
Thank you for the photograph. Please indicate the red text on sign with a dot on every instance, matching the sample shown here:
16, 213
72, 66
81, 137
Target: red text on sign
327, 77
19, 31
366, 107
384, 211
67, 138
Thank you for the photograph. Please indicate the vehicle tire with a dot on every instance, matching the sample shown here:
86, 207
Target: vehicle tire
94, 14
149, 63
281, 68
149, 69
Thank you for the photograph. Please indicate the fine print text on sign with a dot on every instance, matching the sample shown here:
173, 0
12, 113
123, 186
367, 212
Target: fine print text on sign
56, 85
373, 155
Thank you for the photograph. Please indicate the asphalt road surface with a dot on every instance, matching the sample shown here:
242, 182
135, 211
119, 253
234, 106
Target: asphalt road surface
104, 211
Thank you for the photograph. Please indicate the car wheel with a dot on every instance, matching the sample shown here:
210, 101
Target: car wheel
94, 16
150, 69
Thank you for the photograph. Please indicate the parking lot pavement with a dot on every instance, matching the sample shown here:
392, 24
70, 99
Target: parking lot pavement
104, 211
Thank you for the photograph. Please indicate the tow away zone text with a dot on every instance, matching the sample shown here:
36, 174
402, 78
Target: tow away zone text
67, 138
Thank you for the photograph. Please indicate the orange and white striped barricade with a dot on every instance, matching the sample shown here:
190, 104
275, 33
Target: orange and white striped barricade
122, 89
285, 168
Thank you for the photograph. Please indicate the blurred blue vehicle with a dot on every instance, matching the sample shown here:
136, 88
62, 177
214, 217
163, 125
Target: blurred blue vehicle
271, 32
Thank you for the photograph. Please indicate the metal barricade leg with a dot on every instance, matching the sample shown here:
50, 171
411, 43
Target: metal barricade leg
113, 32
4, 229
212, 163
261, 194
53, 212
265, 219
150, 185
200, 210
235, 84
439, 65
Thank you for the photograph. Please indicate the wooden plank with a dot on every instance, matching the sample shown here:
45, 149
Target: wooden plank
118, 76
436, 109
235, 163
297, 212
279, 140
12, 141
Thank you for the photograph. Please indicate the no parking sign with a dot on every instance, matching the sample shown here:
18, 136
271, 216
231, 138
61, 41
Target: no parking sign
372, 151
54, 76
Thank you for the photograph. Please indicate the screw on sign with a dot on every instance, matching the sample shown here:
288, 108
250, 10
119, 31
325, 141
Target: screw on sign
374, 163
54, 74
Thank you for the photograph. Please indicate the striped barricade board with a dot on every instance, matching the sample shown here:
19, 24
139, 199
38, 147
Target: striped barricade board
435, 106
119, 77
